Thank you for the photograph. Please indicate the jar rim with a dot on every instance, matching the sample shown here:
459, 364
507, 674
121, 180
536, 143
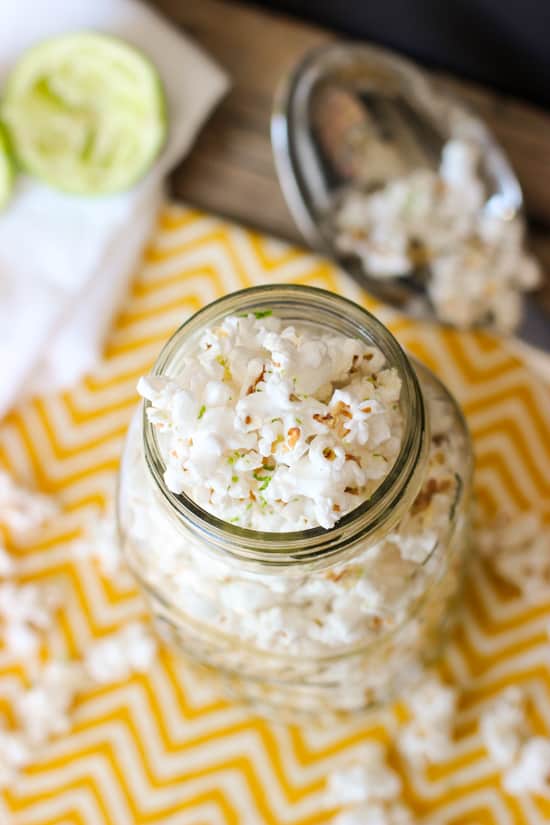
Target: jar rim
382, 508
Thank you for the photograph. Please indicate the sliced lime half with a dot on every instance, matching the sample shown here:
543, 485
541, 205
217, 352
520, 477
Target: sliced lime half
7, 171
85, 112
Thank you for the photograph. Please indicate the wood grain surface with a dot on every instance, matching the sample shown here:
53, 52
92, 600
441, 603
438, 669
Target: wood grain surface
231, 171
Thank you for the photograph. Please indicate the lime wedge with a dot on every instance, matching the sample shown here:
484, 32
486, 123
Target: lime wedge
7, 171
85, 112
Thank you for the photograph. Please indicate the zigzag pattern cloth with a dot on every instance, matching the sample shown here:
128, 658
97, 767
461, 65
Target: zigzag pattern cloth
167, 748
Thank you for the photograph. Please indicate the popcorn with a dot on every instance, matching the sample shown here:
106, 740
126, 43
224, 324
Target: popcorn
369, 790
42, 710
314, 612
131, 649
508, 737
518, 549
22, 510
14, 754
277, 427
26, 610
428, 736
6, 563
27, 604
101, 542
531, 772
478, 267
504, 726
368, 778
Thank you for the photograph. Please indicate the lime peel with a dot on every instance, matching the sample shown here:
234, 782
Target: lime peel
7, 169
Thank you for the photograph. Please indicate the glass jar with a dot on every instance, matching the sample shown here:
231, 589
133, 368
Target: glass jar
319, 620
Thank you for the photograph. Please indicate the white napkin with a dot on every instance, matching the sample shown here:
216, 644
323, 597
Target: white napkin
65, 261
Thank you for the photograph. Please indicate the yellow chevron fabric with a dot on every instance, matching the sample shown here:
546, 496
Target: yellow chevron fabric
167, 748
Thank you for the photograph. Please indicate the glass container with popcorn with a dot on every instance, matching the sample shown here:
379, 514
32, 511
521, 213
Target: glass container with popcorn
294, 499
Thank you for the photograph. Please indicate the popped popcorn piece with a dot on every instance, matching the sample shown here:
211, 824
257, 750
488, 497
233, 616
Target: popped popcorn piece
368, 789
26, 610
42, 710
368, 778
14, 754
22, 510
100, 541
277, 427
531, 771
27, 604
477, 264
7, 565
376, 814
131, 649
21, 639
428, 736
504, 726
518, 549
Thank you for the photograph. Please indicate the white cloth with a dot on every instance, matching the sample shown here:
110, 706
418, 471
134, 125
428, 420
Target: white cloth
65, 261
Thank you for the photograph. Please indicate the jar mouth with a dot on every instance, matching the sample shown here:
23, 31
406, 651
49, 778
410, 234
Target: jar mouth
296, 303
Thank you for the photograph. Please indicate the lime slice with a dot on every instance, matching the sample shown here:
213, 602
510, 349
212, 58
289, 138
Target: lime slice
85, 112
7, 171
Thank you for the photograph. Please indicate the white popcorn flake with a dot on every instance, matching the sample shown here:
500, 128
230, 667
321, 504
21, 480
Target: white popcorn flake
434, 701
531, 771
7, 566
15, 753
504, 726
43, 710
131, 649
275, 427
367, 778
27, 604
518, 550
478, 266
508, 737
100, 541
22, 510
428, 736
26, 611
368, 790
21, 639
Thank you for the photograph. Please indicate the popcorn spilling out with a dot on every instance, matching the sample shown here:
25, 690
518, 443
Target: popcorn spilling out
276, 427
22, 510
477, 263
368, 790
43, 710
511, 743
428, 736
27, 611
131, 649
518, 549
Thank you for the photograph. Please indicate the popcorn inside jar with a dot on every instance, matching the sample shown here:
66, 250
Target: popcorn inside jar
294, 499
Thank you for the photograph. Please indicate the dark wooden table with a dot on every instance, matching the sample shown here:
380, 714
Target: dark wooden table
231, 171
